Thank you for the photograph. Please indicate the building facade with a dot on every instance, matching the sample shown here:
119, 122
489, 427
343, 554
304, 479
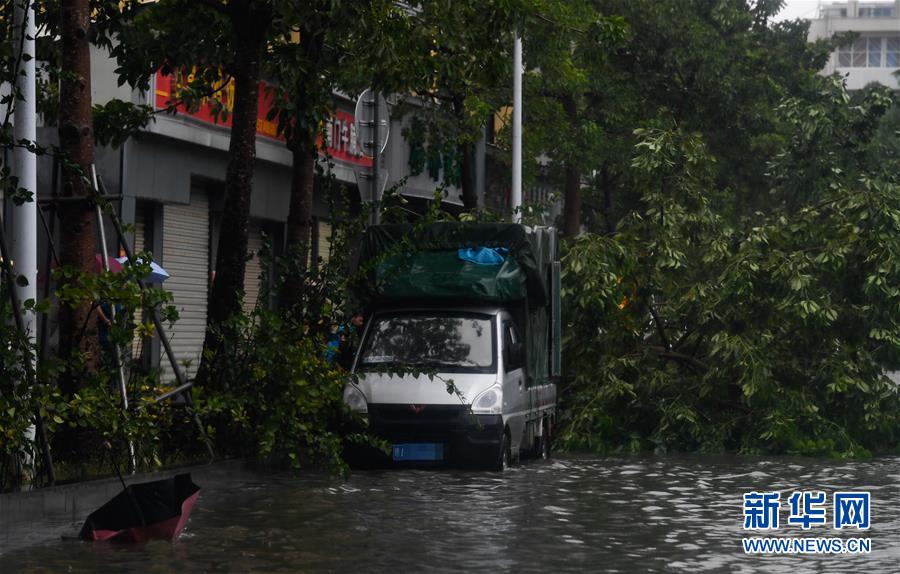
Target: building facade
170, 179
874, 56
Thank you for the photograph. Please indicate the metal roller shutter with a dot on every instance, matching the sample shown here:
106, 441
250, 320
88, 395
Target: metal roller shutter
251, 273
186, 259
324, 247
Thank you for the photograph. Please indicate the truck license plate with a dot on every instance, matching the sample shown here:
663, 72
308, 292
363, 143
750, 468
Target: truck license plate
419, 451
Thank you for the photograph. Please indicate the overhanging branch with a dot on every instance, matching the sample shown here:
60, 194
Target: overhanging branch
680, 357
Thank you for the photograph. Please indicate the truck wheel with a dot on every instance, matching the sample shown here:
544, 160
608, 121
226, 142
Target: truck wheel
545, 440
504, 458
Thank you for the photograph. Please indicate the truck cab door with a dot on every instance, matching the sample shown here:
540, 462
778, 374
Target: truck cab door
515, 395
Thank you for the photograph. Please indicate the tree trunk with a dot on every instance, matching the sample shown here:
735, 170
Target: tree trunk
76, 140
249, 26
78, 237
467, 181
299, 222
572, 207
466, 152
303, 169
572, 190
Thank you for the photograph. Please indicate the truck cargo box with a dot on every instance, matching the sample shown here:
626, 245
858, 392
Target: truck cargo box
415, 264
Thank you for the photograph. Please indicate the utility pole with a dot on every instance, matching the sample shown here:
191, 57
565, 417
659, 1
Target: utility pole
517, 132
23, 218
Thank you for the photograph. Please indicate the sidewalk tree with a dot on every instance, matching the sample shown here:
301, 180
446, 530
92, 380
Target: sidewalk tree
64, 100
458, 70
301, 64
76, 145
716, 68
219, 42
308, 60
568, 91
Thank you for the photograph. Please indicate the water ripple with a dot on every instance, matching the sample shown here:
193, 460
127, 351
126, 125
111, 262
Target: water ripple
573, 514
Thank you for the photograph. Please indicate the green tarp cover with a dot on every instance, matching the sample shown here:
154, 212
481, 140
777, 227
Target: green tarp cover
443, 275
428, 250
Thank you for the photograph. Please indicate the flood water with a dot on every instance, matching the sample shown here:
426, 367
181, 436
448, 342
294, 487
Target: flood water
571, 514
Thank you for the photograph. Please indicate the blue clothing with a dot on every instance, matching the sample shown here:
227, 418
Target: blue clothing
334, 345
484, 255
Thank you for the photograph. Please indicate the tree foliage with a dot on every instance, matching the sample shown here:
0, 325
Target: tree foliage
761, 331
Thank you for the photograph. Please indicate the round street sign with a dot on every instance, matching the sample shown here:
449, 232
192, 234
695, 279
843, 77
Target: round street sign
366, 130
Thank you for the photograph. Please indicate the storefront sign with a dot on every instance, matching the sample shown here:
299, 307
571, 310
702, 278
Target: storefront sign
338, 134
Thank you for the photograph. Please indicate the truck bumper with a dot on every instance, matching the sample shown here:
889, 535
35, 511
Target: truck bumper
467, 439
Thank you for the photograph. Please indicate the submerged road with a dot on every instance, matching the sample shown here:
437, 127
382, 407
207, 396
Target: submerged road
571, 514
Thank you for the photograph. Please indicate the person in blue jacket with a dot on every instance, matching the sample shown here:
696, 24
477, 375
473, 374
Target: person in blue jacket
342, 345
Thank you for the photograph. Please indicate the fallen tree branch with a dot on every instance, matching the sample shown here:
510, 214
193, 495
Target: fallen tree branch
680, 357
659, 327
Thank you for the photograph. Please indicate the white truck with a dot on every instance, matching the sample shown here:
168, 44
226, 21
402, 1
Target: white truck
458, 359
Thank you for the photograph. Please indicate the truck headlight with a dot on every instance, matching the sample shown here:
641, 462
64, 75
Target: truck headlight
488, 402
355, 399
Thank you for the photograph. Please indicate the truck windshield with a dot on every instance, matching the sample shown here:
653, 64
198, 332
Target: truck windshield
448, 343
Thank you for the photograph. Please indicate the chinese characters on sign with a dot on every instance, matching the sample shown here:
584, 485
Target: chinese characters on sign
761, 510
807, 509
338, 136
851, 509
341, 139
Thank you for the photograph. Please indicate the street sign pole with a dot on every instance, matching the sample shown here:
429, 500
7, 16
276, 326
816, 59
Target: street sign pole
376, 192
373, 130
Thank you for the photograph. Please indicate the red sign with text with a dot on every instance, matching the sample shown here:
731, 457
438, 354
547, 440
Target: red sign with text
338, 135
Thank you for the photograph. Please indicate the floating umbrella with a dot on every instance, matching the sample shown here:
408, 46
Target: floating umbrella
157, 509
157, 273
114, 264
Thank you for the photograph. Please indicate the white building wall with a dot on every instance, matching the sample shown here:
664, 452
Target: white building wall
841, 17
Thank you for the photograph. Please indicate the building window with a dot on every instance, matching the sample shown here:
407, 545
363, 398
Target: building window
845, 56
867, 52
892, 52
874, 52
875, 12
859, 53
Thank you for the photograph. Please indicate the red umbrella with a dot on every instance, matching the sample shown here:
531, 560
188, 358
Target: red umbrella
114, 266
157, 509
